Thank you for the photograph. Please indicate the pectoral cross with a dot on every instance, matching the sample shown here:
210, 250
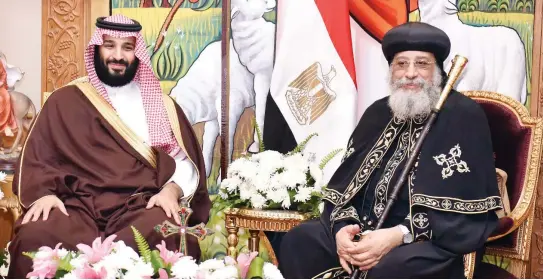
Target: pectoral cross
199, 231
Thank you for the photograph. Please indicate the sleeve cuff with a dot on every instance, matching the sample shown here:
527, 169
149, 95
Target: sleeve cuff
341, 224
184, 176
407, 223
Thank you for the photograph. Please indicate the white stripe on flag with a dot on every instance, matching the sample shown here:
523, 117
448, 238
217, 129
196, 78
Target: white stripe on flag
303, 43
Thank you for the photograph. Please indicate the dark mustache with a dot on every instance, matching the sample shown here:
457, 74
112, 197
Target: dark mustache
122, 61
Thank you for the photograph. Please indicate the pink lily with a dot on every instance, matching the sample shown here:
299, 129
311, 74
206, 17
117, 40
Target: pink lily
163, 274
169, 257
98, 250
86, 272
244, 261
45, 263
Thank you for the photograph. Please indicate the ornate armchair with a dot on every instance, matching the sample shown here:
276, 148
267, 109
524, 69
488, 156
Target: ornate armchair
517, 143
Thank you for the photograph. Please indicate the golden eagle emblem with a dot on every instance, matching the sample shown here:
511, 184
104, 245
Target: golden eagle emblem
309, 95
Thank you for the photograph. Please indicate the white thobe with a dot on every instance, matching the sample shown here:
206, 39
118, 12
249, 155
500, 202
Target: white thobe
128, 103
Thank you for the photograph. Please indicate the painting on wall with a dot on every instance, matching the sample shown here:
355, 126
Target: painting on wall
495, 35
183, 38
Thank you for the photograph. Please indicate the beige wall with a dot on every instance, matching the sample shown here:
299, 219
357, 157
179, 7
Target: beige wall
20, 41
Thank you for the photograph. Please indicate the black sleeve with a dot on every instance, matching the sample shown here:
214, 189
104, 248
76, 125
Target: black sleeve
460, 233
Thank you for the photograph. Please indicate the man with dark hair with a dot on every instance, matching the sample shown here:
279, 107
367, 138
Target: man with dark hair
446, 208
107, 152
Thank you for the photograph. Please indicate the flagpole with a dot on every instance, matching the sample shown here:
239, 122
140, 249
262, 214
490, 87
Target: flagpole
225, 85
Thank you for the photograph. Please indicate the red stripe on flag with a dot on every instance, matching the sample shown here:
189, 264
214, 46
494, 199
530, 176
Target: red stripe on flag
335, 14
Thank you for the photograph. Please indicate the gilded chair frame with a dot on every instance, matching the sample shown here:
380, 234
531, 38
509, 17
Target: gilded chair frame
522, 213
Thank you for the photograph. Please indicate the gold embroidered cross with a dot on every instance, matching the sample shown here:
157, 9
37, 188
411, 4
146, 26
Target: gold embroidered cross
199, 231
379, 208
446, 204
452, 162
420, 220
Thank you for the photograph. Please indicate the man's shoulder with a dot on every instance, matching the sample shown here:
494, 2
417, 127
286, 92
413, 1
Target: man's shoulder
379, 104
68, 92
463, 106
66, 96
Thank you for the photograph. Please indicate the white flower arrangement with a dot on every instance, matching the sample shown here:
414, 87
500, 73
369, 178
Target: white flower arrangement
271, 180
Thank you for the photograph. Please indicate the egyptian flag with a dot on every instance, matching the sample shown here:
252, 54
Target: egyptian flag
322, 79
313, 81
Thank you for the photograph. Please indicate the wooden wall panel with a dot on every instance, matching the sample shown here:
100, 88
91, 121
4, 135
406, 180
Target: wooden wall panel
64, 38
67, 27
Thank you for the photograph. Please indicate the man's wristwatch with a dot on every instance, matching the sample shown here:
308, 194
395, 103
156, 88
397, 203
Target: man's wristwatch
407, 236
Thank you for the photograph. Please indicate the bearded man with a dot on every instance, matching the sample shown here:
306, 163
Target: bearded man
107, 152
447, 207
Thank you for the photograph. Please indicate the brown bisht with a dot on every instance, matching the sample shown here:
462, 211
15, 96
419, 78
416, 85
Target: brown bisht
81, 151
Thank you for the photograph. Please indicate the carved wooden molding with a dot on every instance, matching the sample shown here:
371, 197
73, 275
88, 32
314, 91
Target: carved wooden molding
67, 26
536, 253
64, 37
537, 71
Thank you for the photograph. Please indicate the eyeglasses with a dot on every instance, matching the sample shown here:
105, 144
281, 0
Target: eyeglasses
403, 64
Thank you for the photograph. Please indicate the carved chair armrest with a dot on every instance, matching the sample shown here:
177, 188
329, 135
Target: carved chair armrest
469, 265
11, 204
512, 220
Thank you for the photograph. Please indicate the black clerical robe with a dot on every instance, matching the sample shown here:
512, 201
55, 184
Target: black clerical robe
82, 152
447, 202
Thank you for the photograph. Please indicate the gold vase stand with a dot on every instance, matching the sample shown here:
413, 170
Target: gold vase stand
258, 221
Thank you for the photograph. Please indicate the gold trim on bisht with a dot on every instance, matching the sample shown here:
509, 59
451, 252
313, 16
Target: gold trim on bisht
21, 156
112, 118
176, 129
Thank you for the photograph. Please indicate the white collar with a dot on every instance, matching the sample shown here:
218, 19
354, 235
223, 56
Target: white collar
129, 88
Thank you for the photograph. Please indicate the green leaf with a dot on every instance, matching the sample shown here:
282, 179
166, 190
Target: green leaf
64, 263
256, 269
206, 4
329, 157
143, 246
259, 136
31, 255
60, 273
3, 258
156, 261
302, 145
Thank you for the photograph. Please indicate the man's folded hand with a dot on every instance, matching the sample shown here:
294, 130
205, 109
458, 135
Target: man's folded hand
344, 241
373, 246
168, 199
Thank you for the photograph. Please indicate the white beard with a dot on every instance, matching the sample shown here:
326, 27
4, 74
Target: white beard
409, 104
